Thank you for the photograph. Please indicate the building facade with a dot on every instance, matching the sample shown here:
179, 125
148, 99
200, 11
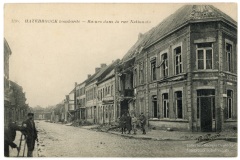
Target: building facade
106, 105
15, 107
81, 100
185, 71
91, 94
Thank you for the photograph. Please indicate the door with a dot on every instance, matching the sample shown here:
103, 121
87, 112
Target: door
206, 114
124, 107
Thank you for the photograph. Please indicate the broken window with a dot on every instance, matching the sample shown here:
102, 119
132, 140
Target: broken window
164, 65
153, 70
141, 75
135, 77
112, 90
178, 60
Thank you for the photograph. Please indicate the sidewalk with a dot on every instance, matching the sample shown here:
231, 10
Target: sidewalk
163, 135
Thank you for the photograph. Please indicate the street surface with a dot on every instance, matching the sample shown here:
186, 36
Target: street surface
57, 140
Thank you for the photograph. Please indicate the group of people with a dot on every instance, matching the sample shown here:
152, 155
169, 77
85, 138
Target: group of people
130, 123
29, 131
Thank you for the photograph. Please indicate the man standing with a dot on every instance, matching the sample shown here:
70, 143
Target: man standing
122, 123
31, 134
142, 119
9, 136
129, 123
134, 124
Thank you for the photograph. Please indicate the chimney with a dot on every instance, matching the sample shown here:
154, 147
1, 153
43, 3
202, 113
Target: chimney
75, 84
103, 65
140, 35
89, 75
67, 97
97, 69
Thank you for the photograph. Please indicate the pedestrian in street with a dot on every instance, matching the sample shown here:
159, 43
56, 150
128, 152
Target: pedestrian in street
142, 119
129, 123
122, 123
31, 134
134, 124
10, 135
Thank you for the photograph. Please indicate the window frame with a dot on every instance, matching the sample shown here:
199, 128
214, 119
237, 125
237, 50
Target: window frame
231, 68
141, 73
174, 58
231, 100
176, 103
162, 70
204, 49
135, 76
153, 60
167, 107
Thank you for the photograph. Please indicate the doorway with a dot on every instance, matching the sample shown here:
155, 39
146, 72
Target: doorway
206, 109
124, 107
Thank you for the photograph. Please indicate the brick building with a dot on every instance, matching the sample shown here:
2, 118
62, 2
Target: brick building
15, 107
81, 99
185, 71
106, 104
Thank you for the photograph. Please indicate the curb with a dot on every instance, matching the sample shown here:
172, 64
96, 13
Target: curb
231, 139
147, 138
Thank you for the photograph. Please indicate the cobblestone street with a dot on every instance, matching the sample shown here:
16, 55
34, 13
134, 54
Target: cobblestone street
57, 140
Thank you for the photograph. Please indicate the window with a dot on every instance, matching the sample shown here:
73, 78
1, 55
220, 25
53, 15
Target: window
229, 103
154, 105
153, 70
165, 105
204, 56
229, 56
178, 60
164, 65
179, 110
87, 95
91, 112
198, 107
135, 77
106, 112
108, 89
112, 90
141, 76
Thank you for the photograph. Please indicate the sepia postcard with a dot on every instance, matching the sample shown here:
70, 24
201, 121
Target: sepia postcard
120, 80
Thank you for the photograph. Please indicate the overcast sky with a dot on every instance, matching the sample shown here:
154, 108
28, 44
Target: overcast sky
47, 58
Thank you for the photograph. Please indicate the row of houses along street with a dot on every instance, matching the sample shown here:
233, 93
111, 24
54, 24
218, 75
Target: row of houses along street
181, 74
15, 106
